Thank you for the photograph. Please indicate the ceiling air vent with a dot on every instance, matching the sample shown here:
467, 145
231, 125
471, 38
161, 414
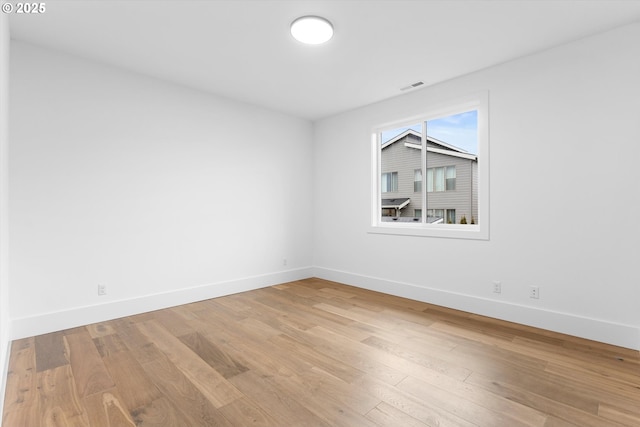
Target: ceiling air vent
411, 86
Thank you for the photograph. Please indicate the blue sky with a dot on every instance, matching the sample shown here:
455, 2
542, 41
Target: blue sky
459, 130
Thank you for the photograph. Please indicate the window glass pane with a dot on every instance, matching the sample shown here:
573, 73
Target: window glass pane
451, 216
435, 216
417, 181
389, 182
394, 181
439, 172
450, 184
401, 173
452, 167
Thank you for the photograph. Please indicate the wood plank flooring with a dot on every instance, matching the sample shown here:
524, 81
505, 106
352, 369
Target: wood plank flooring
317, 353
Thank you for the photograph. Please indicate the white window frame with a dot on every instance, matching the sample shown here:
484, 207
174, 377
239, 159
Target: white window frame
479, 231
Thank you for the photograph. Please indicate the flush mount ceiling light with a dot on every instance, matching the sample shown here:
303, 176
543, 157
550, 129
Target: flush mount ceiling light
312, 30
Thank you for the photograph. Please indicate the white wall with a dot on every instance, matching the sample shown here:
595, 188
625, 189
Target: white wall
165, 194
169, 195
4, 198
564, 150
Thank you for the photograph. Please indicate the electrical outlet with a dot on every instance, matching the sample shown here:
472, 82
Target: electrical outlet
102, 289
534, 292
497, 286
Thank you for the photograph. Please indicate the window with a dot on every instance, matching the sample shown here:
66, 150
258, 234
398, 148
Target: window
389, 182
438, 173
445, 179
450, 180
435, 216
417, 181
449, 144
451, 216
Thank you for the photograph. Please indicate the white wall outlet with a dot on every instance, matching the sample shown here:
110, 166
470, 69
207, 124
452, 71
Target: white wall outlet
497, 286
534, 292
102, 289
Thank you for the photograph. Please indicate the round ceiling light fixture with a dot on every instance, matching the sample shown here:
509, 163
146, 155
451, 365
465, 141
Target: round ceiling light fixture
312, 30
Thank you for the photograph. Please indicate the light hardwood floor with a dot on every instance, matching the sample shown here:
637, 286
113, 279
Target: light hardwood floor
317, 353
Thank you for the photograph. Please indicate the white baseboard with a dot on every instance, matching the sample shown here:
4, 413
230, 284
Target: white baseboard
622, 335
60, 320
584, 327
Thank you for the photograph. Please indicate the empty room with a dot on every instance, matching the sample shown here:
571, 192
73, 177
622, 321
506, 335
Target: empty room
320, 213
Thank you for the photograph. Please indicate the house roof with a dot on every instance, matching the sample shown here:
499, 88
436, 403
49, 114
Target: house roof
401, 136
438, 146
418, 135
398, 203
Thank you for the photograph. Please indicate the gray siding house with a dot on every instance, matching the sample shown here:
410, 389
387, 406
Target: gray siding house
450, 180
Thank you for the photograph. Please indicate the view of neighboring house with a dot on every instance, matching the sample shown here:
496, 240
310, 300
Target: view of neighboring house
451, 180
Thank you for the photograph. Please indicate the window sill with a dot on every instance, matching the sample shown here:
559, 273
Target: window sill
450, 231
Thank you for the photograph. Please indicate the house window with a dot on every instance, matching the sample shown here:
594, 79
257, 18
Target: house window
450, 178
438, 174
435, 216
447, 146
441, 179
417, 181
451, 216
389, 182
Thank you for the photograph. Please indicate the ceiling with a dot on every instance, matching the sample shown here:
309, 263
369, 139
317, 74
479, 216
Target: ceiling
242, 49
